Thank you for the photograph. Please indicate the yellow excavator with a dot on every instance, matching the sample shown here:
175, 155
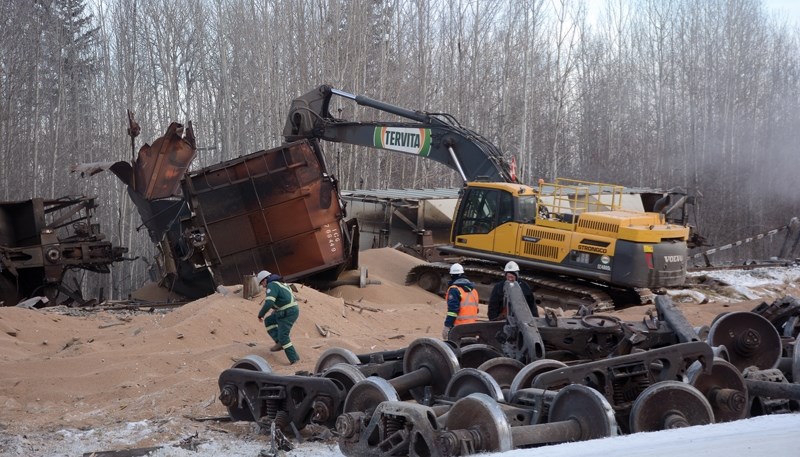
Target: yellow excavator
577, 243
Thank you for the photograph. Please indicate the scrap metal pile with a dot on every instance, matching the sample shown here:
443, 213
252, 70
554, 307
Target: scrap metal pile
526, 382
42, 239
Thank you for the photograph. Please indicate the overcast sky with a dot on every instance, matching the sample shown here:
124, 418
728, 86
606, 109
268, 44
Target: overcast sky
791, 8
788, 8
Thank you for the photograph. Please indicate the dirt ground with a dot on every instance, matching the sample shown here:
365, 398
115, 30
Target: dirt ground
147, 376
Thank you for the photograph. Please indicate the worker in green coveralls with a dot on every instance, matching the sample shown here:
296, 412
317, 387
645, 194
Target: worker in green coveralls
285, 312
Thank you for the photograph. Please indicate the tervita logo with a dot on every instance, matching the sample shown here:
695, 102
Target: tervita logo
403, 139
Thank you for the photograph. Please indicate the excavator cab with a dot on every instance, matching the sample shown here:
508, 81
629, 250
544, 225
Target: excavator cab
489, 215
483, 210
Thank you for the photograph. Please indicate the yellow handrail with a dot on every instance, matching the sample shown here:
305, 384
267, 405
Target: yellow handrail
572, 196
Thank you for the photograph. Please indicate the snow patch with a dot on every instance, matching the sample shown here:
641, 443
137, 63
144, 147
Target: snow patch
753, 278
749, 284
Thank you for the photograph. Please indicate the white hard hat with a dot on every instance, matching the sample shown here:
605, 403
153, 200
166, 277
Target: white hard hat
456, 269
511, 267
262, 275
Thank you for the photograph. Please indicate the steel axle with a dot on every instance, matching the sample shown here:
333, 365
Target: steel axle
477, 423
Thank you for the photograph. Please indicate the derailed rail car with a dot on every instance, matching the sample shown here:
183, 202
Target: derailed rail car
275, 209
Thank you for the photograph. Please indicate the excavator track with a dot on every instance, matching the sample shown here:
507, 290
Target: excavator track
549, 291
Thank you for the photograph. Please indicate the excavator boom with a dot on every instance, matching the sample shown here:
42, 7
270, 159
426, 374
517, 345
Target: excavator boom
437, 137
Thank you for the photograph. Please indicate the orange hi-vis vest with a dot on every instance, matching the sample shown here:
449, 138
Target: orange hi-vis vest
468, 309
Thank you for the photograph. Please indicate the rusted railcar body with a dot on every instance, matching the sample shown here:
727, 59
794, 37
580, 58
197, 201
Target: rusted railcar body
276, 209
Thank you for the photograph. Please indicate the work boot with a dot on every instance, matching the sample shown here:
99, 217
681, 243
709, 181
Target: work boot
277, 347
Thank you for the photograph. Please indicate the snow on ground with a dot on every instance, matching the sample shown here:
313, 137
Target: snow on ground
205, 443
76, 443
743, 284
753, 278
773, 436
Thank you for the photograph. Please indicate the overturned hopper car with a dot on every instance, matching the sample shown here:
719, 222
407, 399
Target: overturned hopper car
275, 209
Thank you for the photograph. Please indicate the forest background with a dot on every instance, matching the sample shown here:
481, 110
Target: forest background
704, 95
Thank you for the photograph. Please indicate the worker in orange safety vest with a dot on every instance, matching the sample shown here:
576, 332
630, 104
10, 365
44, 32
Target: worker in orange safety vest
462, 300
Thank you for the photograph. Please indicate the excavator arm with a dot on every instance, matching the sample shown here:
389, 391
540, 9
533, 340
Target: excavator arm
438, 137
